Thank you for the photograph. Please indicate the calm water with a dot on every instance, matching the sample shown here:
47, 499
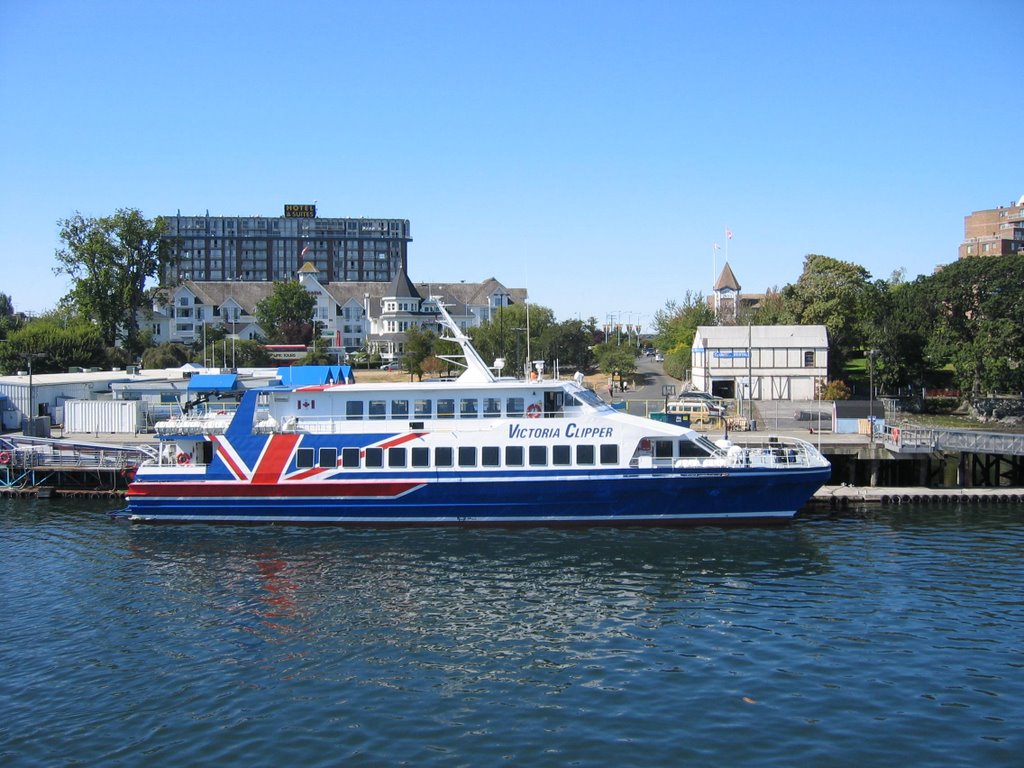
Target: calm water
895, 639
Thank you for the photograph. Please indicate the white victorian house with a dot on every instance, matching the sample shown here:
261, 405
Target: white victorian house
351, 315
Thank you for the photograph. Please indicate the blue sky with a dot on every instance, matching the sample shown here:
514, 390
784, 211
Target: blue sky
592, 152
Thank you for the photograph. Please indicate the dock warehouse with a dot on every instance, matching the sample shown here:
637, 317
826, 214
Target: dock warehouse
760, 362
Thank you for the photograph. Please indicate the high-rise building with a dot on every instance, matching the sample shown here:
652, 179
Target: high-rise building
995, 232
259, 248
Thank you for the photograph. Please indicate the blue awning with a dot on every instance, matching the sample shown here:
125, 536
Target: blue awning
314, 375
213, 382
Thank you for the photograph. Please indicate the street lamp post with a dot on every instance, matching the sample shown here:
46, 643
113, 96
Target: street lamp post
872, 354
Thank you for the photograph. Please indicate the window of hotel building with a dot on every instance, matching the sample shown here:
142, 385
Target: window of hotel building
374, 457
304, 458
513, 455
809, 359
328, 457
490, 456
421, 457
609, 453
467, 456
443, 457
396, 457
584, 454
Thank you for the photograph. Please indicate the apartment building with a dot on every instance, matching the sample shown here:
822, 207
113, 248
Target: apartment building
994, 232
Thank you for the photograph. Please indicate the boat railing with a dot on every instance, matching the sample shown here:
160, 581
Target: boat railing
195, 424
772, 452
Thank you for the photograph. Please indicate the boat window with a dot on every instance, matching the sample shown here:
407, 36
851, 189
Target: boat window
467, 456
538, 455
663, 449
552, 403
350, 458
561, 455
374, 457
378, 409
446, 408
584, 454
492, 407
354, 410
514, 407
443, 457
400, 409
469, 408
609, 453
513, 455
304, 458
590, 398
328, 457
396, 457
691, 449
424, 409
490, 456
421, 457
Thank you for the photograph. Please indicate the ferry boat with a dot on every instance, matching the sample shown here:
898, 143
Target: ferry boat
475, 450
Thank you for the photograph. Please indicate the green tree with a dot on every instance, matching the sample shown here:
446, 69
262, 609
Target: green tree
56, 343
504, 335
979, 326
902, 319
675, 325
420, 347
317, 354
286, 315
612, 358
567, 343
109, 260
168, 355
8, 320
838, 295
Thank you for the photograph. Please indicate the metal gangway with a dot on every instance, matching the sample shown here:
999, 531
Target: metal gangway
903, 439
35, 461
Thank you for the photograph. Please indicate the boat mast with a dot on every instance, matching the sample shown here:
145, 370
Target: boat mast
476, 371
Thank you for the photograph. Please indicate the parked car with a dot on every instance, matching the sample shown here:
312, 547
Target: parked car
392, 366
659, 358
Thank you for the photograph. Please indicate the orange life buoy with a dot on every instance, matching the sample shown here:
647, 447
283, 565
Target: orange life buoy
184, 458
533, 411
5, 457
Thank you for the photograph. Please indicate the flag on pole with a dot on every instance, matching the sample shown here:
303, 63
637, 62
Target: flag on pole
717, 247
728, 234
305, 250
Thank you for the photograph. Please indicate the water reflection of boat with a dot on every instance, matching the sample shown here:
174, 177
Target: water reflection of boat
476, 450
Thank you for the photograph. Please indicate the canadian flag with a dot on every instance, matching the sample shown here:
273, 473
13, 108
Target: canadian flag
305, 250
728, 234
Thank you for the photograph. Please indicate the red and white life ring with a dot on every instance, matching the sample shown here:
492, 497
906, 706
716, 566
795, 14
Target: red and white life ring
5, 457
533, 411
183, 458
